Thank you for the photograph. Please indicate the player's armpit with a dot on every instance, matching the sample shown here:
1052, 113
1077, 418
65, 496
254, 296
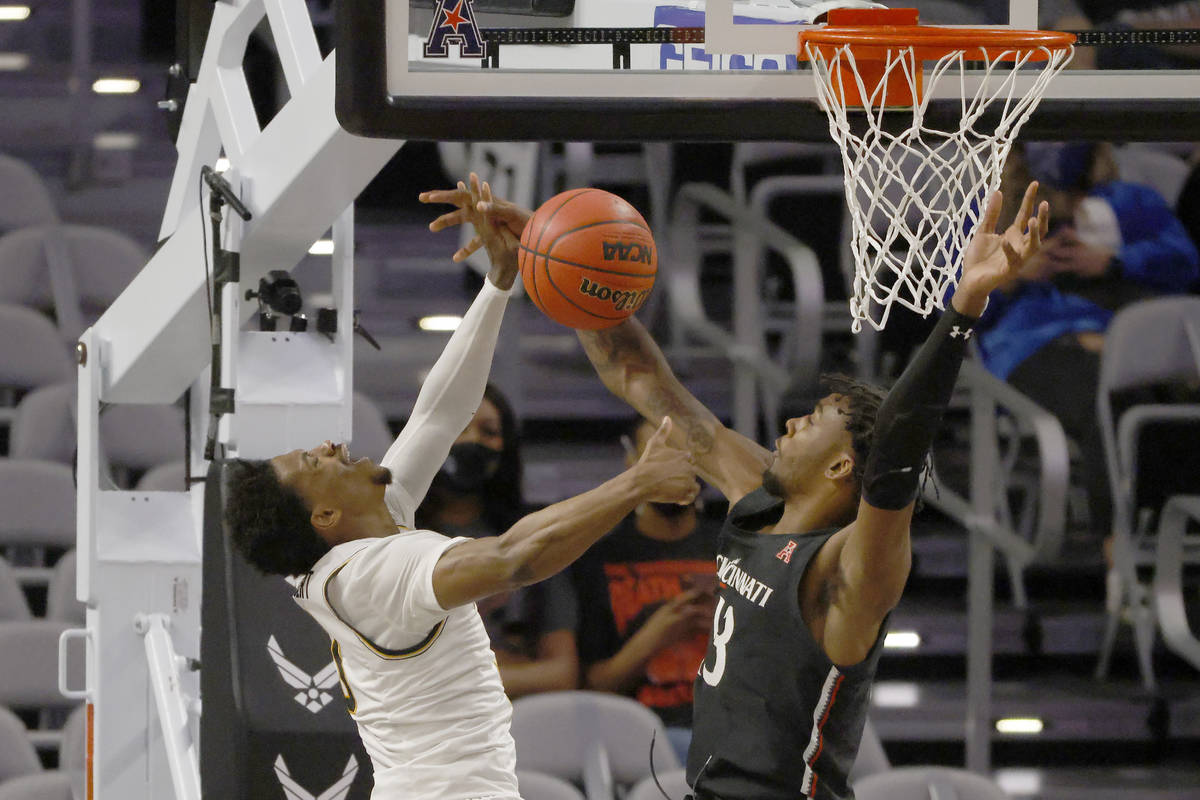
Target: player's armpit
856, 580
632, 367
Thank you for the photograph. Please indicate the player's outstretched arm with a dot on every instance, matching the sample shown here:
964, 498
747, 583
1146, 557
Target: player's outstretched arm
862, 570
632, 366
454, 388
543, 543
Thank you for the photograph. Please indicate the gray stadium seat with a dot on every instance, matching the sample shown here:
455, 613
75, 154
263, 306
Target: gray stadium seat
170, 477
17, 756
1153, 342
43, 424
924, 783
96, 265
29, 665
13, 604
556, 732
72, 750
38, 498
49, 785
674, 783
535, 785
25, 199
31, 352
61, 605
138, 437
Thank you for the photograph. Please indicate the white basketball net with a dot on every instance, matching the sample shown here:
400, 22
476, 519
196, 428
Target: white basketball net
915, 195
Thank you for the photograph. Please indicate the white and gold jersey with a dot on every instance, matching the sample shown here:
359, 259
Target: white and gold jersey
420, 681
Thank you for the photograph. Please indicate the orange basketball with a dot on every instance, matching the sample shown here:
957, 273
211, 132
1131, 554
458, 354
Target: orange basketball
588, 259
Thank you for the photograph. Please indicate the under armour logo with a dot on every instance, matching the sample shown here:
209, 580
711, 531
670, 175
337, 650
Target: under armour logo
294, 791
956, 331
312, 694
785, 555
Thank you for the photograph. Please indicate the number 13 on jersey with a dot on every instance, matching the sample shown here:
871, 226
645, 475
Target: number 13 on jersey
722, 633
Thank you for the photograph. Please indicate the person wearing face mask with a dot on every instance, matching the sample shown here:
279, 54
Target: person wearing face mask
648, 588
477, 493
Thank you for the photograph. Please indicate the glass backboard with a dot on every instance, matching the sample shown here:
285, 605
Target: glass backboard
713, 70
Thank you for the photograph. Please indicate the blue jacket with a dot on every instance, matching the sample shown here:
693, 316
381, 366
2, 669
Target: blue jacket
1157, 253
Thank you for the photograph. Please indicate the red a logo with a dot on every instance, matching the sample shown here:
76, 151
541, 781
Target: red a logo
785, 555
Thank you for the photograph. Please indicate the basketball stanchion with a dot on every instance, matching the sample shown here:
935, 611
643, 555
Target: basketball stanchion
916, 191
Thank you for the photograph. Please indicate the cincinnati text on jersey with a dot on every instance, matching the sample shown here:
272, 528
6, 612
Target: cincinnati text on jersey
749, 587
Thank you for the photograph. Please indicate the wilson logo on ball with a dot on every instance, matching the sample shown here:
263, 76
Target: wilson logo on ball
628, 251
621, 300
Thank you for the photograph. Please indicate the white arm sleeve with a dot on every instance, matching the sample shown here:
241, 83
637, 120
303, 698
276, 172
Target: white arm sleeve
448, 399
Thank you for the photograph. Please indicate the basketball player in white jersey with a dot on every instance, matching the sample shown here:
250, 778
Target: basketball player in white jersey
416, 666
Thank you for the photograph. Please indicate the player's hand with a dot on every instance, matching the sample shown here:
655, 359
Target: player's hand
996, 259
680, 618
492, 231
666, 474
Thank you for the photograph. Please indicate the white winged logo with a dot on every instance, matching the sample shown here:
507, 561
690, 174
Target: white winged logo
294, 791
312, 694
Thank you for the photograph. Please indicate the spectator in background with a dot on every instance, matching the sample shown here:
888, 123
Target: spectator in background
1110, 243
478, 493
648, 588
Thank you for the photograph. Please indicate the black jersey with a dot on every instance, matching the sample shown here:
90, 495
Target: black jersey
774, 718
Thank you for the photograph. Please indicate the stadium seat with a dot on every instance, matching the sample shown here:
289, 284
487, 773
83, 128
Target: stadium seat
25, 200
96, 264
136, 438
49, 785
923, 783
31, 354
38, 498
61, 605
169, 477
674, 783
29, 675
17, 756
1153, 343
72, 750
557, 733
43, 425
535, 785
13, 604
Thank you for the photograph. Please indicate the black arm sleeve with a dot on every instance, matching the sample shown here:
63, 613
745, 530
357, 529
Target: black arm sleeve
911, 413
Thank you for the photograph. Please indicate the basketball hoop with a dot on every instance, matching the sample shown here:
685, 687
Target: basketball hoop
916, 191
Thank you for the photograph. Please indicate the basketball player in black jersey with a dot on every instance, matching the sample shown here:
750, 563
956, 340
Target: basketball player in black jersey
815, 552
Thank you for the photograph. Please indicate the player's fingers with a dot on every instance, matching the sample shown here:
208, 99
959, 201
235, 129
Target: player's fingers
991, 212
1014, 258
468, 248
1044, 218
441, 196
1027, 204
448, 220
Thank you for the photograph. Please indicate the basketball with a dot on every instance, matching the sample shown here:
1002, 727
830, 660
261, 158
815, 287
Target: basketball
587, 259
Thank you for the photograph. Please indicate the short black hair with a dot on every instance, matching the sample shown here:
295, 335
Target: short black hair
269, 523
862, 401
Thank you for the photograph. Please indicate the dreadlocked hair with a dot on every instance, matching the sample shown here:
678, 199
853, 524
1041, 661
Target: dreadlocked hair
862, 401
268, 522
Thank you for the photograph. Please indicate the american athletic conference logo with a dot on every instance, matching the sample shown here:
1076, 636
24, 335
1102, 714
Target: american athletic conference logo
454, 23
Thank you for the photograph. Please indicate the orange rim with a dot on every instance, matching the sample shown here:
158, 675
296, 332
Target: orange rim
874, 42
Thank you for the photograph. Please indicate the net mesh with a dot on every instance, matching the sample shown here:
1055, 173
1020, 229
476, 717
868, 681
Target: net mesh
914, 191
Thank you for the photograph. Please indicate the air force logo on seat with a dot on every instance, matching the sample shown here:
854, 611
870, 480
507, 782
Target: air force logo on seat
454, 23
294, 791
313, 694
